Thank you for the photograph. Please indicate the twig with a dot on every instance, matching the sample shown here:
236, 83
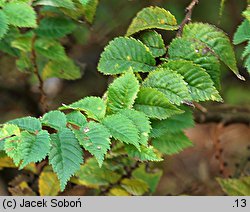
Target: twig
200, 107
222, 6
187, 19
43, 97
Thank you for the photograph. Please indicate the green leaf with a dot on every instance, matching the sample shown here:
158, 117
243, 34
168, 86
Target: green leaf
28, 123
235, 187
247, 64
55, 27
216, 40
48, 184
243, 33
34, 148
24, 63
246, 13
197, 52
247, 50
94, 107
142, 123
23, 42
75, 14
154, 104
65, 69
91, 175
2, 3
95, 138
122, 93
152, 18
152, 179
246, 55
50, 49
54, 119
122, 129
89, 9
20, 14
76, 118
170, 144
57, 3
123, 54
3, 24
7, 131
5, 44
153, 41
147, 153
12, 147
170, 83
135, 186
2, 143
172, 125
201, 86
65, 155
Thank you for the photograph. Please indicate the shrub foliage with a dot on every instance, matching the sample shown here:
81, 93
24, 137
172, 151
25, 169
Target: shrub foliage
144, 111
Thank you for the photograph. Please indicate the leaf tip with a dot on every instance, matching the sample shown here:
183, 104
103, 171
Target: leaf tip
240, 77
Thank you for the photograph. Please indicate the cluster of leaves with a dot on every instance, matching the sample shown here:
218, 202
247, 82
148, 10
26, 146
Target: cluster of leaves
33, 35
115, 178
143, 113
243, 35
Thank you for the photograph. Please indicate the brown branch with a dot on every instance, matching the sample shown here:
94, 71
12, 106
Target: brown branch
225, 114
187, 19
43, 97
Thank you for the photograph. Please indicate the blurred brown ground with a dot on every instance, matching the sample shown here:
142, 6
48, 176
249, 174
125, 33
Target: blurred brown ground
193, 171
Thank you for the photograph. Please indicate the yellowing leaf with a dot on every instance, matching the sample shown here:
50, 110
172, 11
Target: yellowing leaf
151, 178
118, 192
152, 18
94, 107
235, 187
134, 186
49, 184
6, 162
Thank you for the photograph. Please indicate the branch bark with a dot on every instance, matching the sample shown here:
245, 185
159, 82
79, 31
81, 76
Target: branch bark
225, 114
43, 97
187, 19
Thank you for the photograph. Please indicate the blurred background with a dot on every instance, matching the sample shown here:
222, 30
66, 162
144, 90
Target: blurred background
219, 151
